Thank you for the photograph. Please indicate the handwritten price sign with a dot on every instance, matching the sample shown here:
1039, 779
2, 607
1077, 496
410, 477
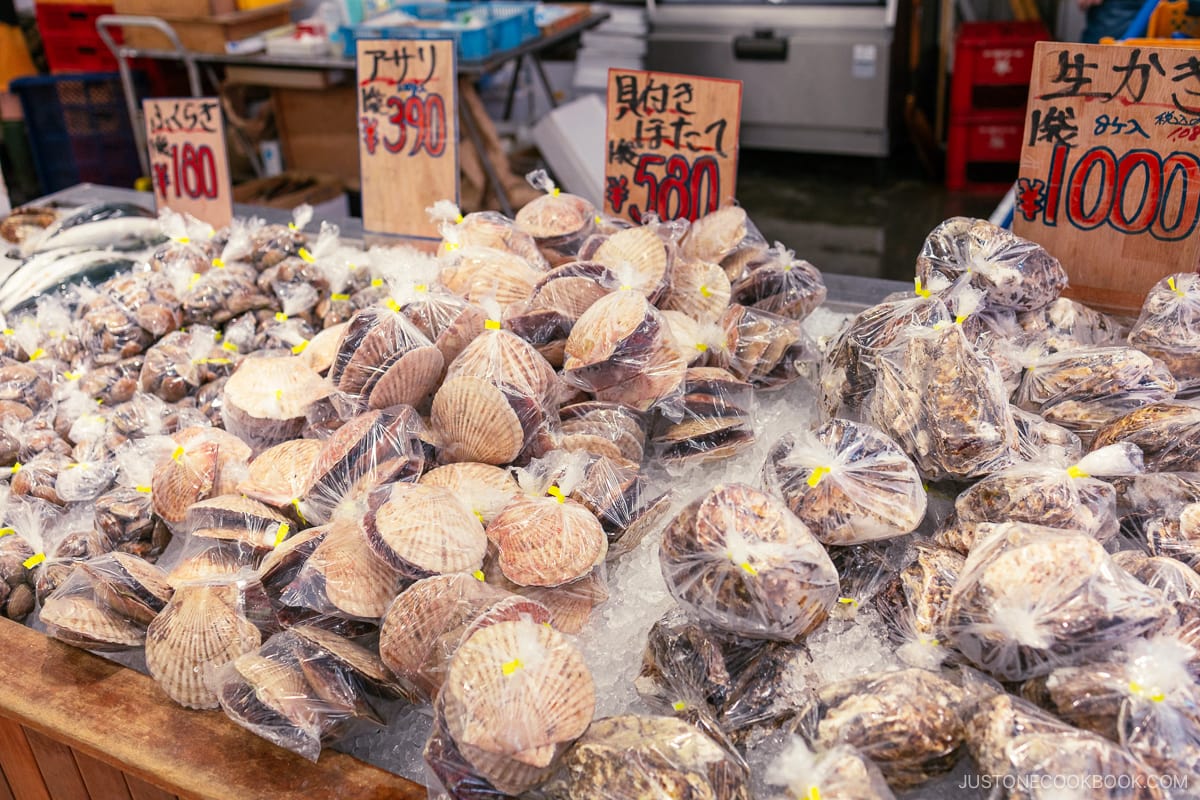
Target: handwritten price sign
408, 133
189, 167
672, 144
1110, 169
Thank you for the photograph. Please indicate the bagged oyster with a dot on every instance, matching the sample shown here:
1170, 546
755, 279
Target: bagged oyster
1178, 583
1036, 436
1067, 324
914, 603
840, 773
780, 283
628, 757
742, 562
1168, 434
1029, 601
711, 417
1014, 273
943, 404
1054, 493
557, 221
1083, 390
1167, 327
847, 482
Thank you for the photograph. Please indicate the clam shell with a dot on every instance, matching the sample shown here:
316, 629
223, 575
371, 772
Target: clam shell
81, 621
699, 289
235, 518
423, 627
408, 380
422, 530
200, 630
715, 236
281, 473
517, 686
357, 582
482, 488
319, 353
543, 542
475, 422
639, 249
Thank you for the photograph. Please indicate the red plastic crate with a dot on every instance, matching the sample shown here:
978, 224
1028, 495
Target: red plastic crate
72, 53
982, 149
61, 19
993, 63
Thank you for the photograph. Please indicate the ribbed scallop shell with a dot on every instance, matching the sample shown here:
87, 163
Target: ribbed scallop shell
208, 464
235, 518
483, 273
357, 582
265, 389
506, 360
423, 530
320, 351
281, 687
281, 474
544, 542
513, 774
475, 422
554, 215
609, 323
482, 488
408, 380
130, 586
639, 248
422, 629
716, 235
571, 605
200, 630
213, 560
699, 289
451, 322
280, 565
79, 620
570, 295
517, 686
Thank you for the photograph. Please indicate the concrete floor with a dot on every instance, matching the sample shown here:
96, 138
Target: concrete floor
856, 216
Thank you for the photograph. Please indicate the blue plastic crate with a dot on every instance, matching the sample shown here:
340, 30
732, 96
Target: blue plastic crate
479, 30
79, 129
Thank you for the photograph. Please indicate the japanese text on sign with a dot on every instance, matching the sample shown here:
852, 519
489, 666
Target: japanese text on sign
1109, 174
189, 171
407, 133
672, 144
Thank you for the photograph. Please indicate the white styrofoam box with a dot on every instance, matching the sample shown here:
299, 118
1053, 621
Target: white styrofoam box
571, 139
600, 42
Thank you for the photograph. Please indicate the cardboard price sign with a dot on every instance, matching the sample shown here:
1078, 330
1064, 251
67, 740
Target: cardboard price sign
408, 133
189, 166
672, 144
1110, 166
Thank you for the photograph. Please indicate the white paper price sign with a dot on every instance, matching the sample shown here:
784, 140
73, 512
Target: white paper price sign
189, 166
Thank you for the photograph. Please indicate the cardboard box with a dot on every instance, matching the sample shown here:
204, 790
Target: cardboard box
203, 34
325, 193
318, 131
175, 9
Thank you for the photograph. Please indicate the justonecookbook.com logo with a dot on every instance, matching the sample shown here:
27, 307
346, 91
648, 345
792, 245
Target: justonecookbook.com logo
1039, 782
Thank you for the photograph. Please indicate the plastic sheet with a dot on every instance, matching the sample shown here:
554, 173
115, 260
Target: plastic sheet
847, 482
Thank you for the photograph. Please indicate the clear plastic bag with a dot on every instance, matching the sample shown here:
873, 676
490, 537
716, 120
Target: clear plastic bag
1014, 273
718, 234
1067, 324
839, 772
479, 273
763, 348
622, 426
1036, 436
780, 283
914, 603
741, 561
557, 221
847, 482
710, 417
267, 399
1169, 327
619, 495
1029, 601
422, 530
1168, 434
206, 462
106, 603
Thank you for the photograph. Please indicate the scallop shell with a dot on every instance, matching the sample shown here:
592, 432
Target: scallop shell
544, 542
319, 353
639, 249
214, 559
589, 443
266, 399
570, 295
517, 686
408, 380
130, 586
357, 582
422, 629
81, 621
207, 462
200, 630
555, 215
366, 667
506, 360
619, 327
483, 273
491, 230
452, 323
422, 530
281, 473
235, 518
660, 375
270, 696
283, 563
482, 488
513, 774
571, 605
715, 236
475, 422
699, 289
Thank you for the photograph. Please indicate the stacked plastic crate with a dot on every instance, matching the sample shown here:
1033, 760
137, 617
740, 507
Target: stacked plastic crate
69, 35
993, 63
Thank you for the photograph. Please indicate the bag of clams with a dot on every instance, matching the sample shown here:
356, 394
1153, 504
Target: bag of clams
625, 509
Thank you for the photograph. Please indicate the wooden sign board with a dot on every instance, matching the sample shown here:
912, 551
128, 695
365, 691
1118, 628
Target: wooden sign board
672, 143
1110, 167
407, 133
189, 165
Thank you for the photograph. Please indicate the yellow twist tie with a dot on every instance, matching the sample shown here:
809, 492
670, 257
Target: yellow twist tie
9, 331
555, 192
479, 516
306, 256
299, 513
142, 489
1140, 691
280, 316
33, 560
930, 642
292, 226
707, 292
299, 348
183, 240
492, 325
599, 220
959, 319
36, 354
512, 666
679, 705
279, 395
1075, 472
421, 287
813, 793
848, 601
702, 347
458, 218
178, 453
746, 565
71, 376
817, 474
217, 361
478, 575
194, 279
219, 263
393, 305
6, 532
1174, 288
16, 467
451, 246
625, 287
281, 534
376, 283
920, 290
217, 336
557, 494
340, 296
230, 346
